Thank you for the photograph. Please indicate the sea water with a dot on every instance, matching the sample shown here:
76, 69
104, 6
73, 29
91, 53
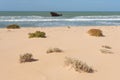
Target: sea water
44, 19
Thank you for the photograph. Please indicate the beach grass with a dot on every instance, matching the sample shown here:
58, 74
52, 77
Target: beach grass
37, 34
13, 26
51, 50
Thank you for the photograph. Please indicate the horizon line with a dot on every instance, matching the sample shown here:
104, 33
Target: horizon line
56, 11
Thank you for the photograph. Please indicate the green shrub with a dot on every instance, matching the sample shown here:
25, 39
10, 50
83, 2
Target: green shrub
78, 65
95, 32
26, 58
32, 35
37, 34
13, 26
54, 50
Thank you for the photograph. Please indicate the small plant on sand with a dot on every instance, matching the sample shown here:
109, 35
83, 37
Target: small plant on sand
78, 65
57, 50
107, 47
37, 34
54, 50
105, 51
95, 32
26, 58
68, 27
13, 26
49, 51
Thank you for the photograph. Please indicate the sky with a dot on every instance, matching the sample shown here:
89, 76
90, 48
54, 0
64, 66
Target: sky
59, 5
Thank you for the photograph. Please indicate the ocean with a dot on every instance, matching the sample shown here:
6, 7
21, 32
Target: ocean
44, 19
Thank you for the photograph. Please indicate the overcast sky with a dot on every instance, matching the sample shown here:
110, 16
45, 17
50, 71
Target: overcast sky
59, 5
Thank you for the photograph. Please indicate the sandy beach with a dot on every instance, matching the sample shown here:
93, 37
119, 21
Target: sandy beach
75, 43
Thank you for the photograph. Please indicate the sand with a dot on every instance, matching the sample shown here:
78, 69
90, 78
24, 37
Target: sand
75, 43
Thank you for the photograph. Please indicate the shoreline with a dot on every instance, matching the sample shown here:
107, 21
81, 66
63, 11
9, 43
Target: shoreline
58, 26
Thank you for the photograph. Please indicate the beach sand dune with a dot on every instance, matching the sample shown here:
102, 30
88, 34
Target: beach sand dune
75, 43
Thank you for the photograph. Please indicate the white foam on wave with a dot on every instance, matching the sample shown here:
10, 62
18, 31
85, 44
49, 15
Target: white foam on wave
109, 23
28, 20
41, 18
99, 17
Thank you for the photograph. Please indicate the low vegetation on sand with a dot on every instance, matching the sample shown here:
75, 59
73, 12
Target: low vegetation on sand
106, 49
37, 34
95, 32
78, 65
54, 50
13, 26
27, 57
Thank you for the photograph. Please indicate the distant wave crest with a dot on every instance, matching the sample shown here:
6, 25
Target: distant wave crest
60, 21
41, 18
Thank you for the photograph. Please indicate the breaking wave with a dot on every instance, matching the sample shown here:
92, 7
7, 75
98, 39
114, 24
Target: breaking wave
60, 21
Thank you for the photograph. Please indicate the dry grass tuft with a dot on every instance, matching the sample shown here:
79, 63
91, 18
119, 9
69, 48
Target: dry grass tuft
27, 57
78, 65
95, 32
107, 47
49, 51
105, 51
54, 50
57, 50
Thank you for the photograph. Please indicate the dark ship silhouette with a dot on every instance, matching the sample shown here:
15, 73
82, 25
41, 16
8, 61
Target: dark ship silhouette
55, 14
